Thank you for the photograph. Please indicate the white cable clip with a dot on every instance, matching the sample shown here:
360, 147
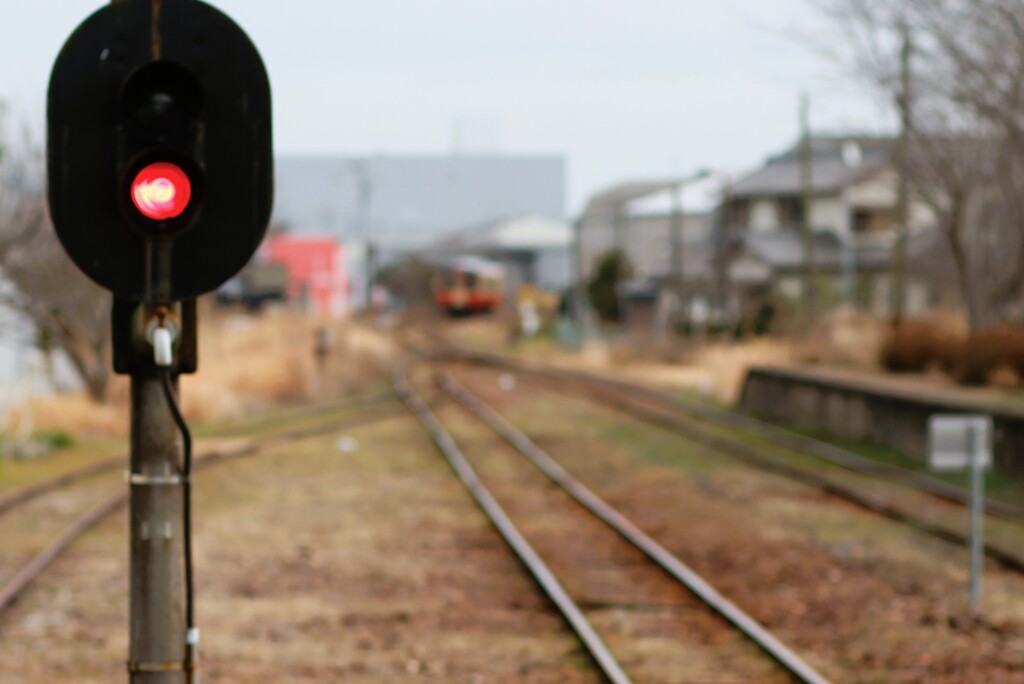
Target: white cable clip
163, 347
161, 335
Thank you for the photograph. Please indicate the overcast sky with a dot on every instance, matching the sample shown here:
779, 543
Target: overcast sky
622, 88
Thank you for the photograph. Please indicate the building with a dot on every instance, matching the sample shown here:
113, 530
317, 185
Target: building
317, 271
653, 223
852, 187
534, 250
638, 218
401, 204
770, 264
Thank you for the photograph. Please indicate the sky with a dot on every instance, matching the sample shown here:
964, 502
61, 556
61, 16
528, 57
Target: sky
623, 89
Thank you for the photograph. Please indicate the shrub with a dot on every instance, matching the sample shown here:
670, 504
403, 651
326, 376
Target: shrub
58, 439
916, 346
994, 348
602, 289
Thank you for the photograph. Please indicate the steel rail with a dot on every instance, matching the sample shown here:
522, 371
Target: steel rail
15, 586
23, 495
830, 453
313, 410
572, 613
671, 419
629, 531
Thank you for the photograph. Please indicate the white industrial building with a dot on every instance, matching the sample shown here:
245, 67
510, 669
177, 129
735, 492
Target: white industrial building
535, 250
382, 207
406, 203
638, 219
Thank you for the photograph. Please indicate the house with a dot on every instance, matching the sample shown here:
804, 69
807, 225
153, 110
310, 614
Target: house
608, 224
852, 214
771, 265
650, 223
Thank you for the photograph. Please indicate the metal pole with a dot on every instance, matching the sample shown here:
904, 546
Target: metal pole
722, 239
371, 272
582, 307
678, 286
977, 514
807, 198
157, 594
620, 227
899, 255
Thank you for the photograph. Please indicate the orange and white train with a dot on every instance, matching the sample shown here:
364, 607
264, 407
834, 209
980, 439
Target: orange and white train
468, 285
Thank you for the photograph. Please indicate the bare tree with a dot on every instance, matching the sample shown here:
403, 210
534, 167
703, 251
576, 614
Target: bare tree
37, 278
964, 155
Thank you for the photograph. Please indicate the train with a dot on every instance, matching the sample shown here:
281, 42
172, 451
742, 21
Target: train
469, 285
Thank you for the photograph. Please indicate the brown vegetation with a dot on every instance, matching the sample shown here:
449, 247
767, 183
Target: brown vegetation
995, 353
246, 363
919, 346
997, 349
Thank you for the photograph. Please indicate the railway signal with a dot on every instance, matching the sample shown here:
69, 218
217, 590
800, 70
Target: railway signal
159, 155
160, 175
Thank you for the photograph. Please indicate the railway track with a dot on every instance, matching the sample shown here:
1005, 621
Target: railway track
707, 413
19, 582
667, 567
703, 425
23, 495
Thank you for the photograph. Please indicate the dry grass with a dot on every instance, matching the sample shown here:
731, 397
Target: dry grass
246, 364
715, 371
845, 338
255, 362
727, 365
78, 414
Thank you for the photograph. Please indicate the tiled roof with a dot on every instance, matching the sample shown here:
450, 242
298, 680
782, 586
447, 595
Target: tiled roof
836, 163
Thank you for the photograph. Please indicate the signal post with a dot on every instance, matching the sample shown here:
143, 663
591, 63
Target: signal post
160, 176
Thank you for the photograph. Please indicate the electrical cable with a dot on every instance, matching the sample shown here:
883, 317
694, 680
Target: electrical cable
186, 487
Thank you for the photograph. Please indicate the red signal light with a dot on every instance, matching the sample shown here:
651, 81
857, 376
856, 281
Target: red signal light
161, 191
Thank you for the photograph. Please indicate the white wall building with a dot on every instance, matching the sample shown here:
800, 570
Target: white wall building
407, 203
852, 211
534, 250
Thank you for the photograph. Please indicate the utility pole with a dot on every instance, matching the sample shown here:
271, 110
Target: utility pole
677, 241
677, 271
899, 253
620, 226
807, 193
365, 183
371, 272
722, 241
582, 308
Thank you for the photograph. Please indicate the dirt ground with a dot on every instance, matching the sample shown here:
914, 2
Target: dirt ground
863, 598
364, 560
658, 630
314, 565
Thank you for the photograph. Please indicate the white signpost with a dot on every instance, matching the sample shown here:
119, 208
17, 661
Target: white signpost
960, 442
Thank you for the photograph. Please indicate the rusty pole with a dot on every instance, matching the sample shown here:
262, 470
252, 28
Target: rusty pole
157, 590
